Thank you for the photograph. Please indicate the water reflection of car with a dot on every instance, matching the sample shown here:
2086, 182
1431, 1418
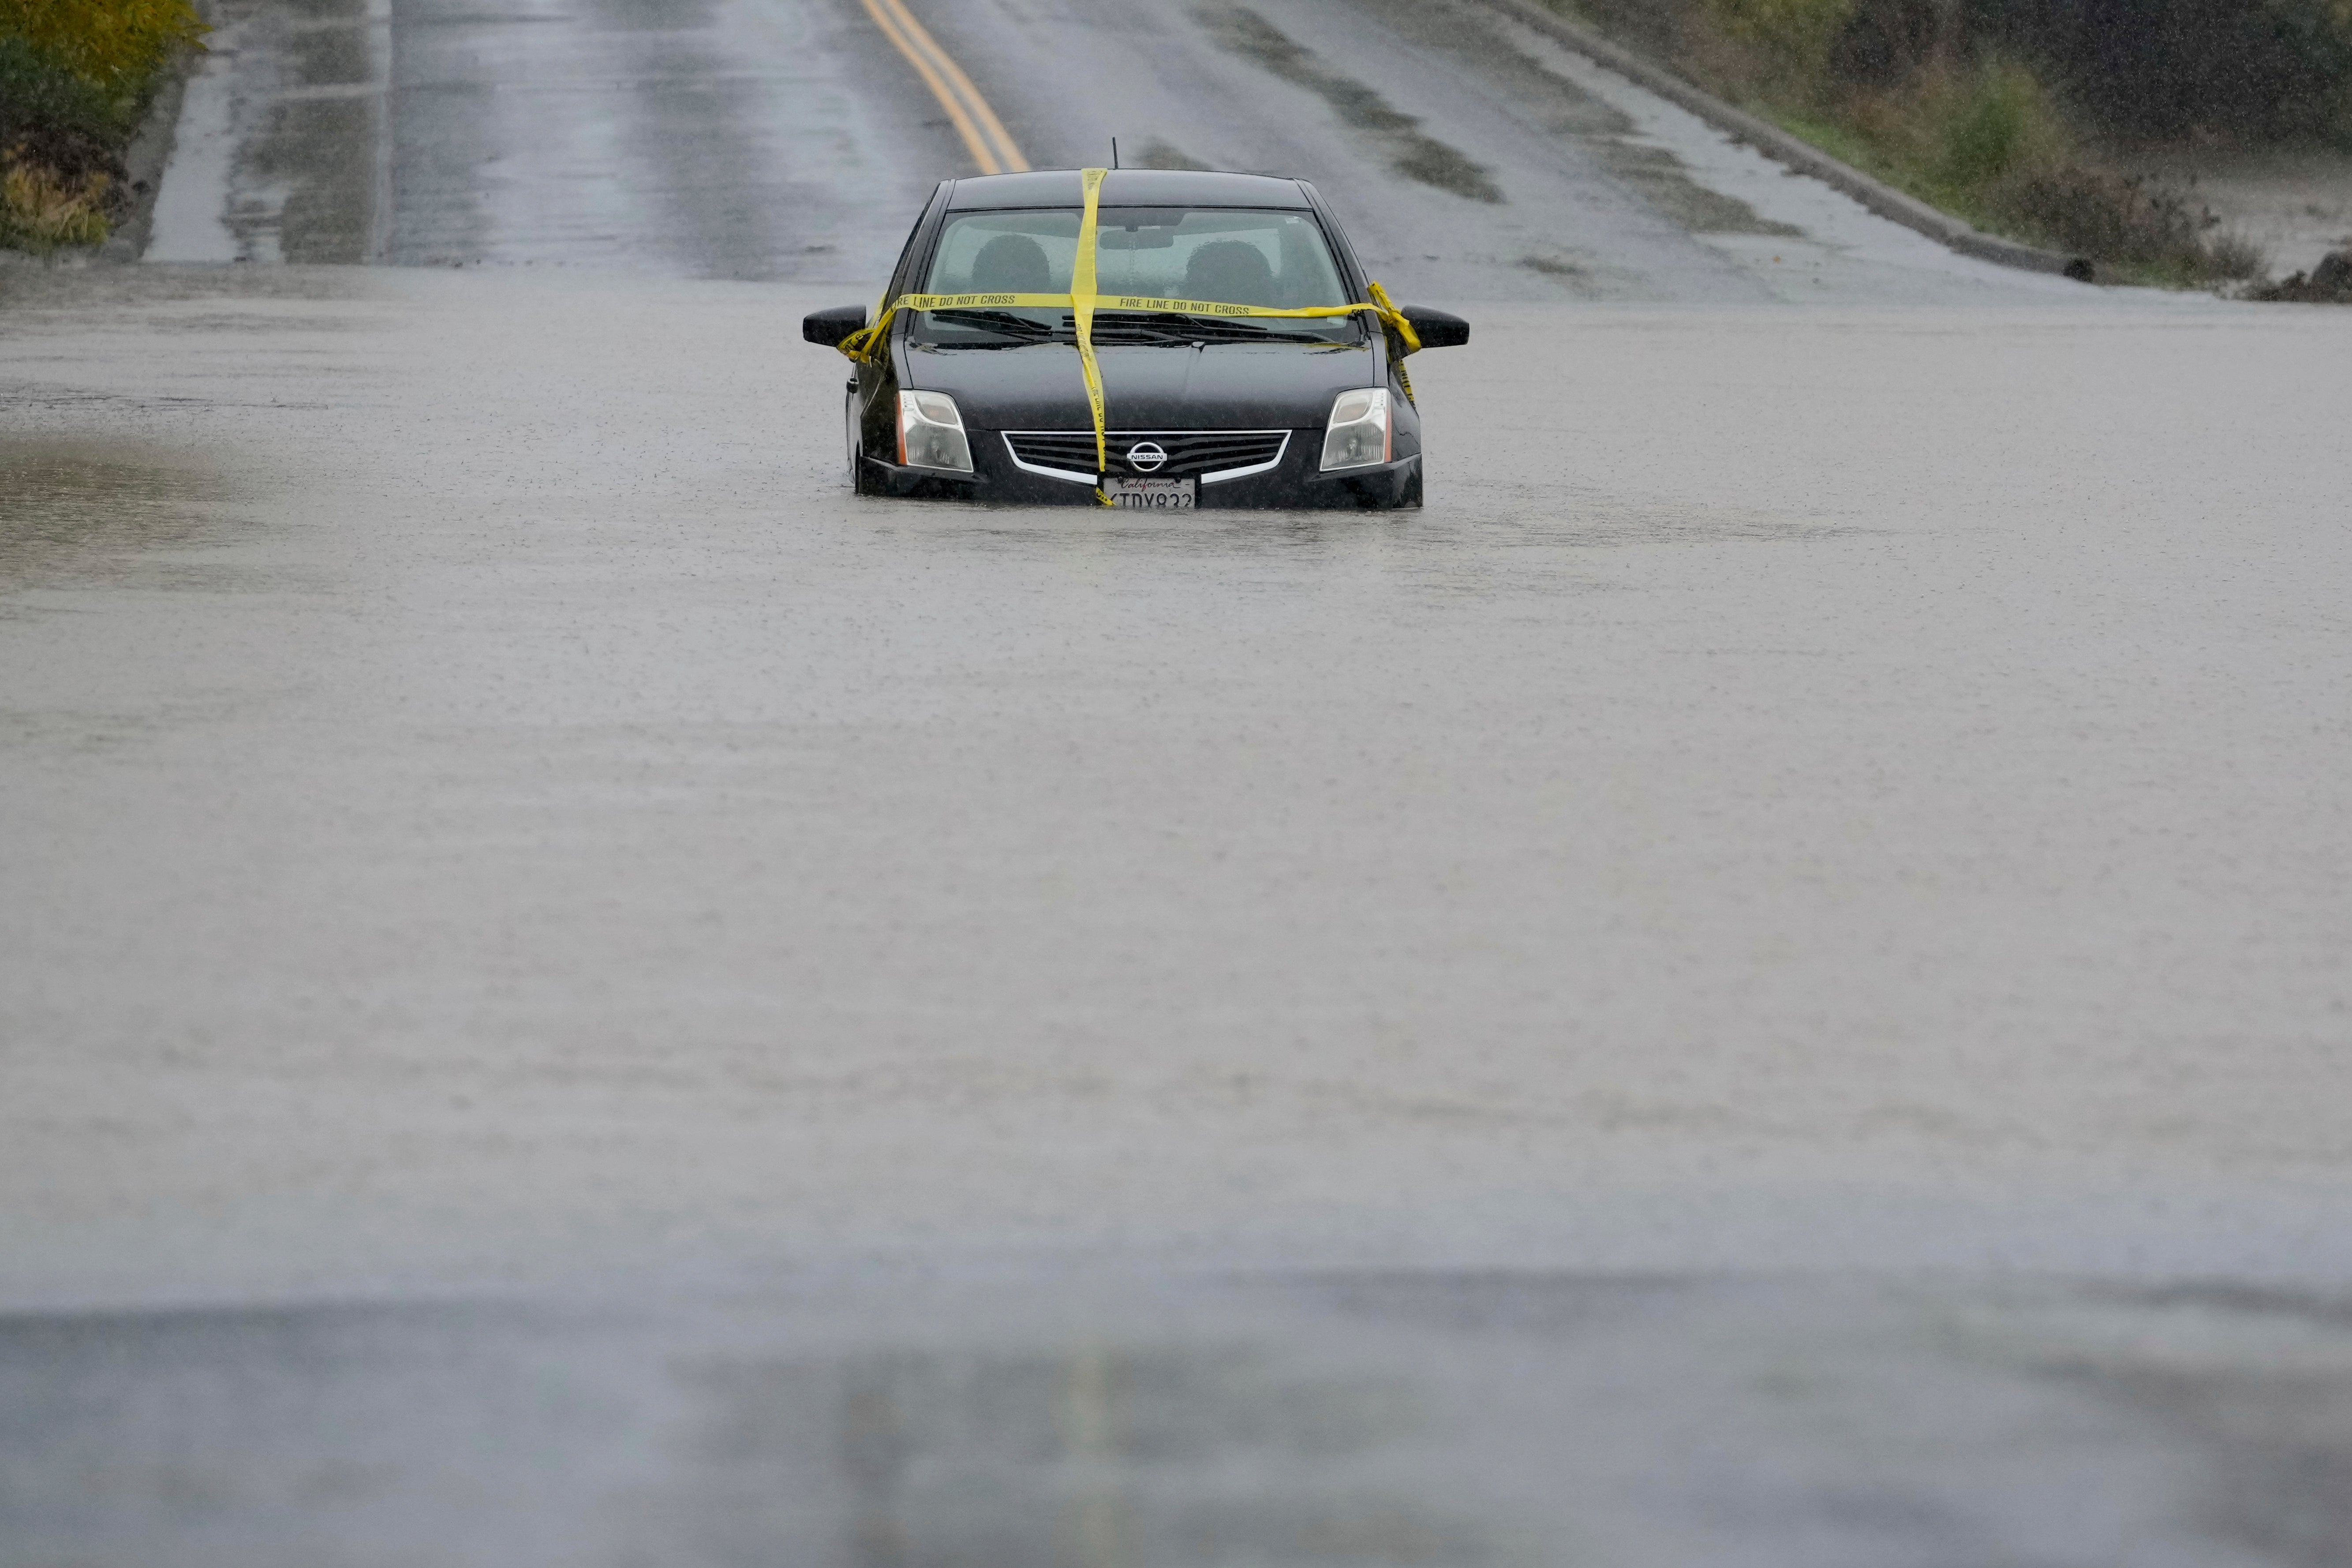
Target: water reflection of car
1212, 410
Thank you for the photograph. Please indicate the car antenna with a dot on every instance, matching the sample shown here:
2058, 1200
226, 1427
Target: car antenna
1114, 152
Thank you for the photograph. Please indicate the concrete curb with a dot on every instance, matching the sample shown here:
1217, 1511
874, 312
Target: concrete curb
145, 157
1797, 153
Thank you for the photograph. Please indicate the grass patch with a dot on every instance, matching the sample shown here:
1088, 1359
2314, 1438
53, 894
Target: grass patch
40, 212
76, 78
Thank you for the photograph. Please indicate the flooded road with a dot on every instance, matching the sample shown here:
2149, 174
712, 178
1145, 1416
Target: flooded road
1820, 854
1762, 983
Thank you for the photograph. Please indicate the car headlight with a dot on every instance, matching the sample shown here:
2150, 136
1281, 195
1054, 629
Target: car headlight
1359, 433
931, 433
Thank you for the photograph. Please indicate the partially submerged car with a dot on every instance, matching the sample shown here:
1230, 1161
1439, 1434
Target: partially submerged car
1224, 349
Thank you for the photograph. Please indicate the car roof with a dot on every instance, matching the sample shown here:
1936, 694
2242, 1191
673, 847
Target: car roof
1128, 187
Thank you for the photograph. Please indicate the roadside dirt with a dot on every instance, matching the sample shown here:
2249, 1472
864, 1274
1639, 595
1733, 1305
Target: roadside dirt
2295, 203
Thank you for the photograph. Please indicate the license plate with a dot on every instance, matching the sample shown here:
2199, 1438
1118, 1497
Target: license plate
1157, 494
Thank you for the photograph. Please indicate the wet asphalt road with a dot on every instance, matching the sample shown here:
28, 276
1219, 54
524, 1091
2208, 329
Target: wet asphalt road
1763, 982
1473, 158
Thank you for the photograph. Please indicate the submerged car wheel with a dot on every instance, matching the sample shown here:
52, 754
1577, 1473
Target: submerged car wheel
849, 432
858, 482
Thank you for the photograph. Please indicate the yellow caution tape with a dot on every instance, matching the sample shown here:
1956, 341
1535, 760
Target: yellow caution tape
1083, 301
1082, 317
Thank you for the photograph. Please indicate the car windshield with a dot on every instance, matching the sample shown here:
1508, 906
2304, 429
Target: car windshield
1233, 257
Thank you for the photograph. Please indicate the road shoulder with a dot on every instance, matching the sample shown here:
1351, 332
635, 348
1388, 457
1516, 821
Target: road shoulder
1794, 151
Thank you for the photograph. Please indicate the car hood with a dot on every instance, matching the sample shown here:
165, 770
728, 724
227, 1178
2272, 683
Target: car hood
1219, 387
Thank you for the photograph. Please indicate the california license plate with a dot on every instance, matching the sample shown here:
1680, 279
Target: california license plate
1158, 494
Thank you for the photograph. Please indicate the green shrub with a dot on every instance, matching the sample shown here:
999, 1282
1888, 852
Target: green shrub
1798, 32
1990, 122
1952, 133
38, 95
116, 45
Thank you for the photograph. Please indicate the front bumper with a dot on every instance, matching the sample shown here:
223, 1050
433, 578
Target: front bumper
1294, 482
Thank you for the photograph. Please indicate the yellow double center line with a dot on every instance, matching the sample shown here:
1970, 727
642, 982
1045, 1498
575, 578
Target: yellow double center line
993, 147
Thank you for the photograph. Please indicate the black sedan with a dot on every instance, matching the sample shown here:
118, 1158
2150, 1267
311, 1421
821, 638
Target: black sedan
1224, 349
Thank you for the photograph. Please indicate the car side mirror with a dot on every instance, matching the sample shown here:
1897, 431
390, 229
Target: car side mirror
829, 327
1435, 329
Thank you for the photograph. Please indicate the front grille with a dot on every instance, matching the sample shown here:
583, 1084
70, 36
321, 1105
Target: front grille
1195, 452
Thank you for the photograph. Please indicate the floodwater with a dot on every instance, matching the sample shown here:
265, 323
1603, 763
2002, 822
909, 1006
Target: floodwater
1761, 982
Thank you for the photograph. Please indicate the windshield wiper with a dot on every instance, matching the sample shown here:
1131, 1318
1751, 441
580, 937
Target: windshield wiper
1136, 328
1214, 328
1020, 332
1132, 331
1003, 321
